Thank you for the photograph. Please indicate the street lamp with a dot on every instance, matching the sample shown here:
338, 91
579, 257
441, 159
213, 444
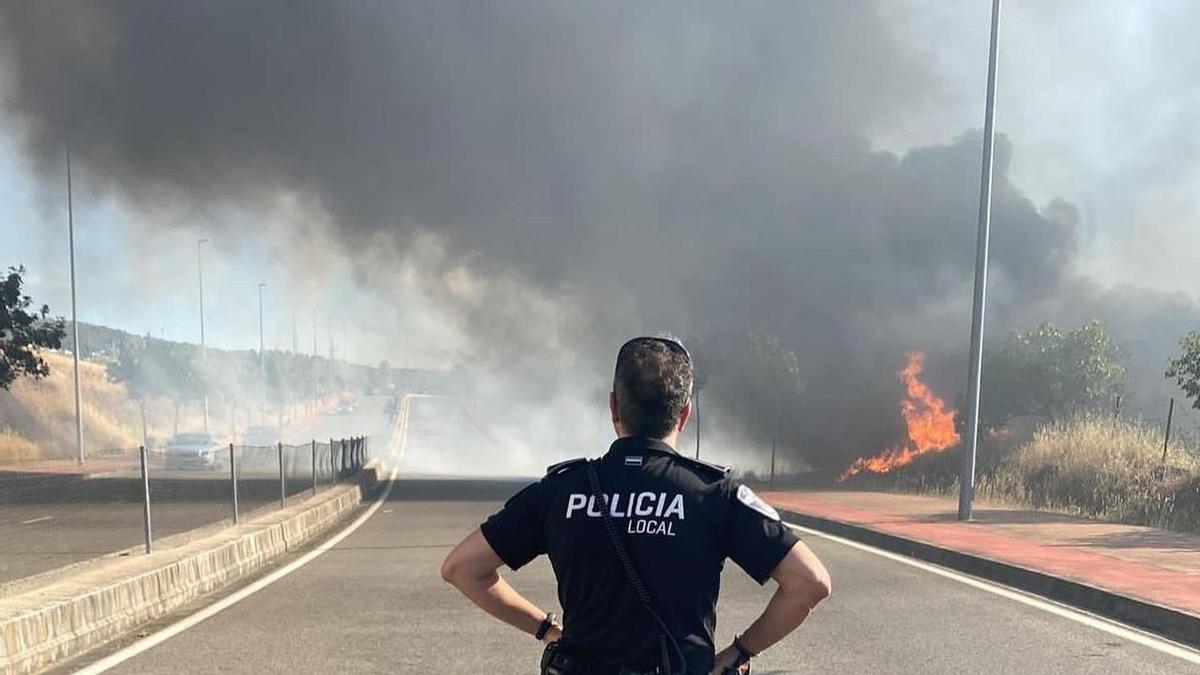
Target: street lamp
261, 341
966, 482
74, 315
262, 368
203, 343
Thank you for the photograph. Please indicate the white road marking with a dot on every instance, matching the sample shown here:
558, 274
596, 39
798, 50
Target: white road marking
42, 519
117, 658
1112, 628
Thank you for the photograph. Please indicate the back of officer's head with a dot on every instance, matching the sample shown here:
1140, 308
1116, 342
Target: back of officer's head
652, 385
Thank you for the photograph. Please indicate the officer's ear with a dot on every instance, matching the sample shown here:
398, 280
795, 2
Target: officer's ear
683, 416
614, 411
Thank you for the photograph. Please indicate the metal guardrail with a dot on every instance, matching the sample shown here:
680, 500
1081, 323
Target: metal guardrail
56, 513
326, 464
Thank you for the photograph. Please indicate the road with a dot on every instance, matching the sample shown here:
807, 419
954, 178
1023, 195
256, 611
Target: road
375, 603
103, 515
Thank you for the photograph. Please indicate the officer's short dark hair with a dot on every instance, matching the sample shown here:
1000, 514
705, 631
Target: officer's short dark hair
653, 382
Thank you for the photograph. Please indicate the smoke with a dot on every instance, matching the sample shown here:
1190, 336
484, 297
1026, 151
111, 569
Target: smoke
543, 179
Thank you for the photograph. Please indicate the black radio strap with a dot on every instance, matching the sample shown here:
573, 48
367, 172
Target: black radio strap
631, 573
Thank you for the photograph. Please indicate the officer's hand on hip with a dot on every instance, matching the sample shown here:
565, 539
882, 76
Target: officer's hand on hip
725, 662
552, 635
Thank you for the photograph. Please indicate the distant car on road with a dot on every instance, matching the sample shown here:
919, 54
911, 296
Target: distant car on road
260, 436
344, 407
194, 451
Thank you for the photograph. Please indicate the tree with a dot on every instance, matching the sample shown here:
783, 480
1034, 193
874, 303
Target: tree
1185, 369
1050, 374
23, 333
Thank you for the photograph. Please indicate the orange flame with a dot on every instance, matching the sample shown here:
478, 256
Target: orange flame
930, 424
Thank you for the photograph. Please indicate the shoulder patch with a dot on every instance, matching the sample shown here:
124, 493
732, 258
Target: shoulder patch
555, 469
746, 496
705, 469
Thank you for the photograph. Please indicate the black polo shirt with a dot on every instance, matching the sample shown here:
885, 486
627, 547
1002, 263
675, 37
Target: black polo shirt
680, 519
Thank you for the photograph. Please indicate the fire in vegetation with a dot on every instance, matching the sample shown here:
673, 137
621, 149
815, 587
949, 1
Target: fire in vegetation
930, 424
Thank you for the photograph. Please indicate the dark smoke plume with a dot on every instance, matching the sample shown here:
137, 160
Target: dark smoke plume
703, 166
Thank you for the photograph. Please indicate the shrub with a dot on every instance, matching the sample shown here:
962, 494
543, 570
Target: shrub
1100, 467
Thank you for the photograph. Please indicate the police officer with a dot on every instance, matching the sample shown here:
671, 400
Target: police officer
637, 540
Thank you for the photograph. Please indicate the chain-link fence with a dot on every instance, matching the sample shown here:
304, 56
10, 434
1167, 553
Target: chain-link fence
57, 513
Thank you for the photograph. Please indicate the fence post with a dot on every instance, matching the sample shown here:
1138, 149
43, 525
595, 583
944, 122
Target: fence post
145, 497
332, 463
282, 477
1167, 437
233, 482
314, 466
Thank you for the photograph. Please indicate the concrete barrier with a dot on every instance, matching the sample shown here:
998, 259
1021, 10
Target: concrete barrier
41, 626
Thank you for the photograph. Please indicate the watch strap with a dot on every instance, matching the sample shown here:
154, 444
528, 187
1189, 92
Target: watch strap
744, 654
547, 624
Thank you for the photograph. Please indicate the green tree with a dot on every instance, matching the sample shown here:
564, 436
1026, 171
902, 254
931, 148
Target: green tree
1050, 374
1185, 369
23, 333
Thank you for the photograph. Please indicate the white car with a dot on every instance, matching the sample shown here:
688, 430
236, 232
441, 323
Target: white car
195, 451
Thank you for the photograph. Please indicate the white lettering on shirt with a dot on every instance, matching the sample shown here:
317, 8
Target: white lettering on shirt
658, 504
575, 502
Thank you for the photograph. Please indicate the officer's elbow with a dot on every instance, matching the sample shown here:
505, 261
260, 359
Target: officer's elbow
820, 586
471, 563
802, 575
454, 569
810, 588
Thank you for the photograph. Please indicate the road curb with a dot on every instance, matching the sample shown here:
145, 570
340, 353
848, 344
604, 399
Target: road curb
45, 625
1177, 625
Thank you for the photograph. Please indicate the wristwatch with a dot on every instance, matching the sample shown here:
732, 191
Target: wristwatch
744, 655
547, 624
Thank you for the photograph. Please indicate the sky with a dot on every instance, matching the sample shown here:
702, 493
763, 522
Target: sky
1098, 97
446, 184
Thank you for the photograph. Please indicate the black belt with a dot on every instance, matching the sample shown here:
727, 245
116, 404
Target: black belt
557, 662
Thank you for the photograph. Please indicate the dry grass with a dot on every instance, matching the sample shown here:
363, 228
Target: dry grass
1092, 465
42, 413
15, 448
1101, 467
37, 418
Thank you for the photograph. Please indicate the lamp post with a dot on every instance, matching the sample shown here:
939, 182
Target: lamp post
74, 315
262, 367
966, 483
203, 342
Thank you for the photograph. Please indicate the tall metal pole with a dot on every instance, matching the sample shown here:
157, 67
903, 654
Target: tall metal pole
233, 482
696, 407
262, 365
966, 490
775, 439
146, 531
282, 478
1167, 436
261, 340
74, 315
203, 343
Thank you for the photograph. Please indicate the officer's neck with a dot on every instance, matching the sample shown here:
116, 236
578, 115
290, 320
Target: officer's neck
670, 439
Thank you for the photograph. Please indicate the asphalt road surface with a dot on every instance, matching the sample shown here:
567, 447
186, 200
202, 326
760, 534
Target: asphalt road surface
375, 603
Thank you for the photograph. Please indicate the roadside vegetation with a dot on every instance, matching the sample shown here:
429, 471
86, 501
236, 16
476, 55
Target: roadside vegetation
1089, 465
1054, 438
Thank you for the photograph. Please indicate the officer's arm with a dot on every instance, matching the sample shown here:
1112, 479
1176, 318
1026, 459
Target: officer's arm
803, 582
472, 568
